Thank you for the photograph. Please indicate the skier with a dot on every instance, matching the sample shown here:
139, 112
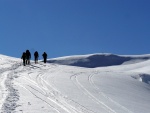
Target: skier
36, 55
28, 57
24, 58
45, 57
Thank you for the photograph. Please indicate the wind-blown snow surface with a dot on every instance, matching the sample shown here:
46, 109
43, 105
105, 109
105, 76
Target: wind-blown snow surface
54, 88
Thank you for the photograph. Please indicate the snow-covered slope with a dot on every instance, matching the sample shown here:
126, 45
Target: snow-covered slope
117, 84
99, 60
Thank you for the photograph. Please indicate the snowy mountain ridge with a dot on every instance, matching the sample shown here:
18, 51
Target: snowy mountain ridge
99, 60
94, 83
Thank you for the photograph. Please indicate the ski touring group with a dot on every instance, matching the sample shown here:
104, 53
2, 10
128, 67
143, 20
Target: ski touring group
26, 56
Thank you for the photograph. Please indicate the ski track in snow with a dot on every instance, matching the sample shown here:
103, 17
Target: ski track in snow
55, 93
40, 91
106, 107
123, 109
49, 94
86, 92
39, 97
61, 99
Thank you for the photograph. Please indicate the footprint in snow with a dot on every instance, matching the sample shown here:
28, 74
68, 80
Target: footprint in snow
29, 103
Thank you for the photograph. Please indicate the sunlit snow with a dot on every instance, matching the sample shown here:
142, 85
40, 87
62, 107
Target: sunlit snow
94, 83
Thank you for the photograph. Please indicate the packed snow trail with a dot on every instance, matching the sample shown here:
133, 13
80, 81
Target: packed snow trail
9, 94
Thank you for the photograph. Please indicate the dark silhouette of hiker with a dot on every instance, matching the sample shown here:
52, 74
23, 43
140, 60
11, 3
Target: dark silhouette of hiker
36, 55
24, 58
28, 57
45, 57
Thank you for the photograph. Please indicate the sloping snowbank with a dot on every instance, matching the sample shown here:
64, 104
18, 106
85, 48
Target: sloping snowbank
54, 88
99, 60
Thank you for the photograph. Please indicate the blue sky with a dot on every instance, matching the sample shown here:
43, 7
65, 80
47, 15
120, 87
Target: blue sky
74, 27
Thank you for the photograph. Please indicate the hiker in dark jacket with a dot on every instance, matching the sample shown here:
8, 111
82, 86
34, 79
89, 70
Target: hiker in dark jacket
36, 55
45, 57
24, 58
28, 57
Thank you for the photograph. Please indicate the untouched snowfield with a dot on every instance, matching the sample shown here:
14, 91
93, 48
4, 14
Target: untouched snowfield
95, 83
